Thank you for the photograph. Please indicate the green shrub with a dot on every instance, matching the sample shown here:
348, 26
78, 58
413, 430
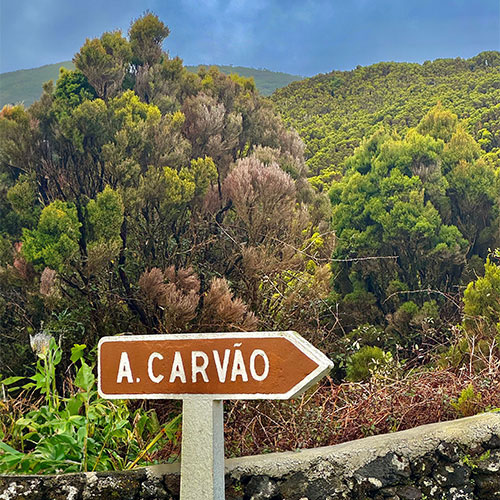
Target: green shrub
468, 402
81, 432
482, 302
367, 335
361, 364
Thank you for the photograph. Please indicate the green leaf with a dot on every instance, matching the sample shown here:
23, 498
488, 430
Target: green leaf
11, 380
77, 352
84, 378
24, 422
8, 449
57, 356
73, 405
81, 433
77, 420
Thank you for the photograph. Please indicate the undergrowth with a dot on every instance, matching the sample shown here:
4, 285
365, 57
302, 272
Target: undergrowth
335, 413
45, 429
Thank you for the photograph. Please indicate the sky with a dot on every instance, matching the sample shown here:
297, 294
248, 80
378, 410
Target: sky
302, 37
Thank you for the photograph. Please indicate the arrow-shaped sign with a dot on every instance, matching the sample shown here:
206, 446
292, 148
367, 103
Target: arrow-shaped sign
203, 369
253, 365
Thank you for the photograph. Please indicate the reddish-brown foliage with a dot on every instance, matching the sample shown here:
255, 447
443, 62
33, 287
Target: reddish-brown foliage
333, 414
179, 305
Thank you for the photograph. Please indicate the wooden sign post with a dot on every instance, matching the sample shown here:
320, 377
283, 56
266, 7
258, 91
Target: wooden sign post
203, 369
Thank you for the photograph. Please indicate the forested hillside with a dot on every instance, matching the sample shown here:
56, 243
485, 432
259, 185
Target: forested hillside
333, 111
137, 196
25, 85
410, 156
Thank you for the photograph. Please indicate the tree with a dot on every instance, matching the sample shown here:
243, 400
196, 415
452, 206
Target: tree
333, 112
409, 214
482, 303
267, 246
72, 89
146, 36
54, 242
104, 62
438, 123
119, 170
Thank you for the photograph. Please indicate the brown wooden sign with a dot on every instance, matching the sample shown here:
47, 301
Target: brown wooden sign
253, 365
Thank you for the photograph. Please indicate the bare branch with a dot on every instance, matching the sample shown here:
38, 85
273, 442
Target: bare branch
425, 290
357, 259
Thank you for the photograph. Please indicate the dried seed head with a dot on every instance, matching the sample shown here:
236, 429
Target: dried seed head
40, 343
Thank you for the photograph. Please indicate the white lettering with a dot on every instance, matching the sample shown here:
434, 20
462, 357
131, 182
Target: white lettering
124, 370
239, 367
221, 367
177, 369
154, 378
253, 371
201, 369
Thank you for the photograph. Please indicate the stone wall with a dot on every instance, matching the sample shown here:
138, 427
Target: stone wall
456, 460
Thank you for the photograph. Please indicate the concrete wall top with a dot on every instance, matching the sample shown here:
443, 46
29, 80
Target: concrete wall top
456, 460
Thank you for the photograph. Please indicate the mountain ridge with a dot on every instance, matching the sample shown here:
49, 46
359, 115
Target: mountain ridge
25, 85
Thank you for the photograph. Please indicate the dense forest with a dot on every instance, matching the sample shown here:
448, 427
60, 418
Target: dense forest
137, 196
409, 155
334, 111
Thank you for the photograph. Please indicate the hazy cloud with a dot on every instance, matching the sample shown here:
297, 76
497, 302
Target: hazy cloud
296, 36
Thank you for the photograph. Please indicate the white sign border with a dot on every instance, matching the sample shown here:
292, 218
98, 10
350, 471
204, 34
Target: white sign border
324, 364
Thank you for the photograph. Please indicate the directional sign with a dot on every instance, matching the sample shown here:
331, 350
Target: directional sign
253, 365
202, 369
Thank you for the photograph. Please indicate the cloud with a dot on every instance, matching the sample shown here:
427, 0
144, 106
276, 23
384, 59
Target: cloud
297, 36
